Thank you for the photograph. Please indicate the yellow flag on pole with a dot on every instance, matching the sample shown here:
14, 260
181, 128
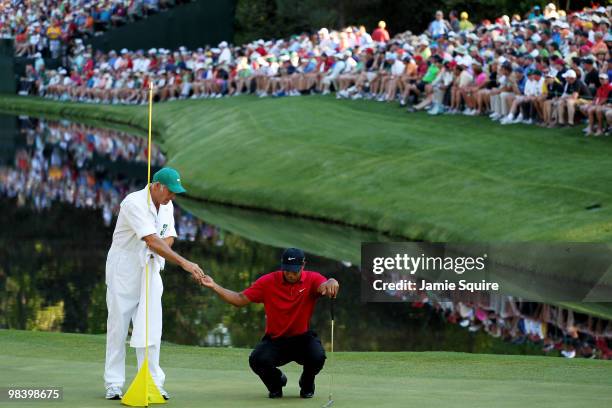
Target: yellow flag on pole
143, 390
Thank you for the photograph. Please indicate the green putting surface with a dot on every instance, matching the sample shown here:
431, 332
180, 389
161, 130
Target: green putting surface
448, 178
208, 377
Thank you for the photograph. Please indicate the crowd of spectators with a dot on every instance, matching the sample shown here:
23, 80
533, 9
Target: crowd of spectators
55, 163
554, 329
548, 67
47, 28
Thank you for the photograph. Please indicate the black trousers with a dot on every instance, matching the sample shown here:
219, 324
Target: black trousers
269, 354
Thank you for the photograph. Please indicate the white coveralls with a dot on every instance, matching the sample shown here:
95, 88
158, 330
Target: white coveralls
125, 285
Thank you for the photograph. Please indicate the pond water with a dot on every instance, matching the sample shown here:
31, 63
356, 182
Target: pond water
60, 187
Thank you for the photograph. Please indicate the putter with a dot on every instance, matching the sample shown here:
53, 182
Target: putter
330, 400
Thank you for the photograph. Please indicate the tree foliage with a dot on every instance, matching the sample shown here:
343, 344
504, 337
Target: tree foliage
282, 18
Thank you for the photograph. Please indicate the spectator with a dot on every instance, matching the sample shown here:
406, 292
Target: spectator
465, 24
439, 26
380, 34
594, 110
574, 94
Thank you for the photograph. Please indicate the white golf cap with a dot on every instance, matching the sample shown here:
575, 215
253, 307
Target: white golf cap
570, 73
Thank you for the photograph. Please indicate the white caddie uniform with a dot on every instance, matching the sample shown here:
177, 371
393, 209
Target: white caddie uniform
125, 285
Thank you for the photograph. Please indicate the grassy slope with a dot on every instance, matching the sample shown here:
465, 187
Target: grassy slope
221, 377
370, 164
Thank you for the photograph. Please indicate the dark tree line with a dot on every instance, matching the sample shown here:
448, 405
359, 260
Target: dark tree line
282, 18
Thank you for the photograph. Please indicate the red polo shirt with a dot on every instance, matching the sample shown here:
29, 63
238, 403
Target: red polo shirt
288, 306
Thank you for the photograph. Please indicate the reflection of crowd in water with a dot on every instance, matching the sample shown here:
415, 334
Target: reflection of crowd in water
554, 329
55, 164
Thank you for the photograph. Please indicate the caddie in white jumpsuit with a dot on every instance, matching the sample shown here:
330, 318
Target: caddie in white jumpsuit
143, 233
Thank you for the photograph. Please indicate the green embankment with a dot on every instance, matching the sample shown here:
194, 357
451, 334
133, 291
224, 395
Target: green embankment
451, 178
199, 377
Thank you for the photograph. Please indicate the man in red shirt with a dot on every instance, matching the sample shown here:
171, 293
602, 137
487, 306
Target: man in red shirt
597, 107
289, 296
381, 34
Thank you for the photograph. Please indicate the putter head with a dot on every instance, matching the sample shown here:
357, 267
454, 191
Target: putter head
329, 403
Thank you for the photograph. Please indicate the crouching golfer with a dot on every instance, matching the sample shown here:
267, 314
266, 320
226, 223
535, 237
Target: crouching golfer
289, 297
144, 233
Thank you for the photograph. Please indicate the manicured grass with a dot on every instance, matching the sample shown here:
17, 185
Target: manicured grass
449, 178
199, 377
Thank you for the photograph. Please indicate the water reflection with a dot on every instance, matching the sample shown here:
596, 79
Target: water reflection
57, 178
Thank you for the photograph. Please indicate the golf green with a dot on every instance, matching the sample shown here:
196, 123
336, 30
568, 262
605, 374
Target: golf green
448, 178
211, 377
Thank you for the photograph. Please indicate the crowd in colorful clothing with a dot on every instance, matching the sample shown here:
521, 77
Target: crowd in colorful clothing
547, 67
47, 28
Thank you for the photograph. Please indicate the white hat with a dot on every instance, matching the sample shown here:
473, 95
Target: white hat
570, 73
215, 50
124, 51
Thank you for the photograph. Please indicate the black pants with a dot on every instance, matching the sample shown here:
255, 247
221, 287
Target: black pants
305, 349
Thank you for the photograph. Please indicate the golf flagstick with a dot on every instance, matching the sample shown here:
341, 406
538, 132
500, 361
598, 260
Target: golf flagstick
330, 399
143, 390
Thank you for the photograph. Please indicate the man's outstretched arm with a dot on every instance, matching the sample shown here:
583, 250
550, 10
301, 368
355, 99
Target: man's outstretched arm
161, 247
237, 299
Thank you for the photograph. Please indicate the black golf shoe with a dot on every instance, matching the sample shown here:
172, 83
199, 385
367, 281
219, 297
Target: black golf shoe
306, 394
279, 393
306, 390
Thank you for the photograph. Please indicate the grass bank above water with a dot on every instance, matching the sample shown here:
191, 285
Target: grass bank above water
369, 164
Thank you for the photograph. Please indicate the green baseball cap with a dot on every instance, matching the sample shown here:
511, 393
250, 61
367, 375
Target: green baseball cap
169, 178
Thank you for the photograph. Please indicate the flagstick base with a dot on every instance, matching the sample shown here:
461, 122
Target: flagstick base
143, 390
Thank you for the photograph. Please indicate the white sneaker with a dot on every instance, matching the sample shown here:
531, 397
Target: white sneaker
587, 129
519, 118
164, 393
507, 120
568, 353
494, 116
114, 393
528, 122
